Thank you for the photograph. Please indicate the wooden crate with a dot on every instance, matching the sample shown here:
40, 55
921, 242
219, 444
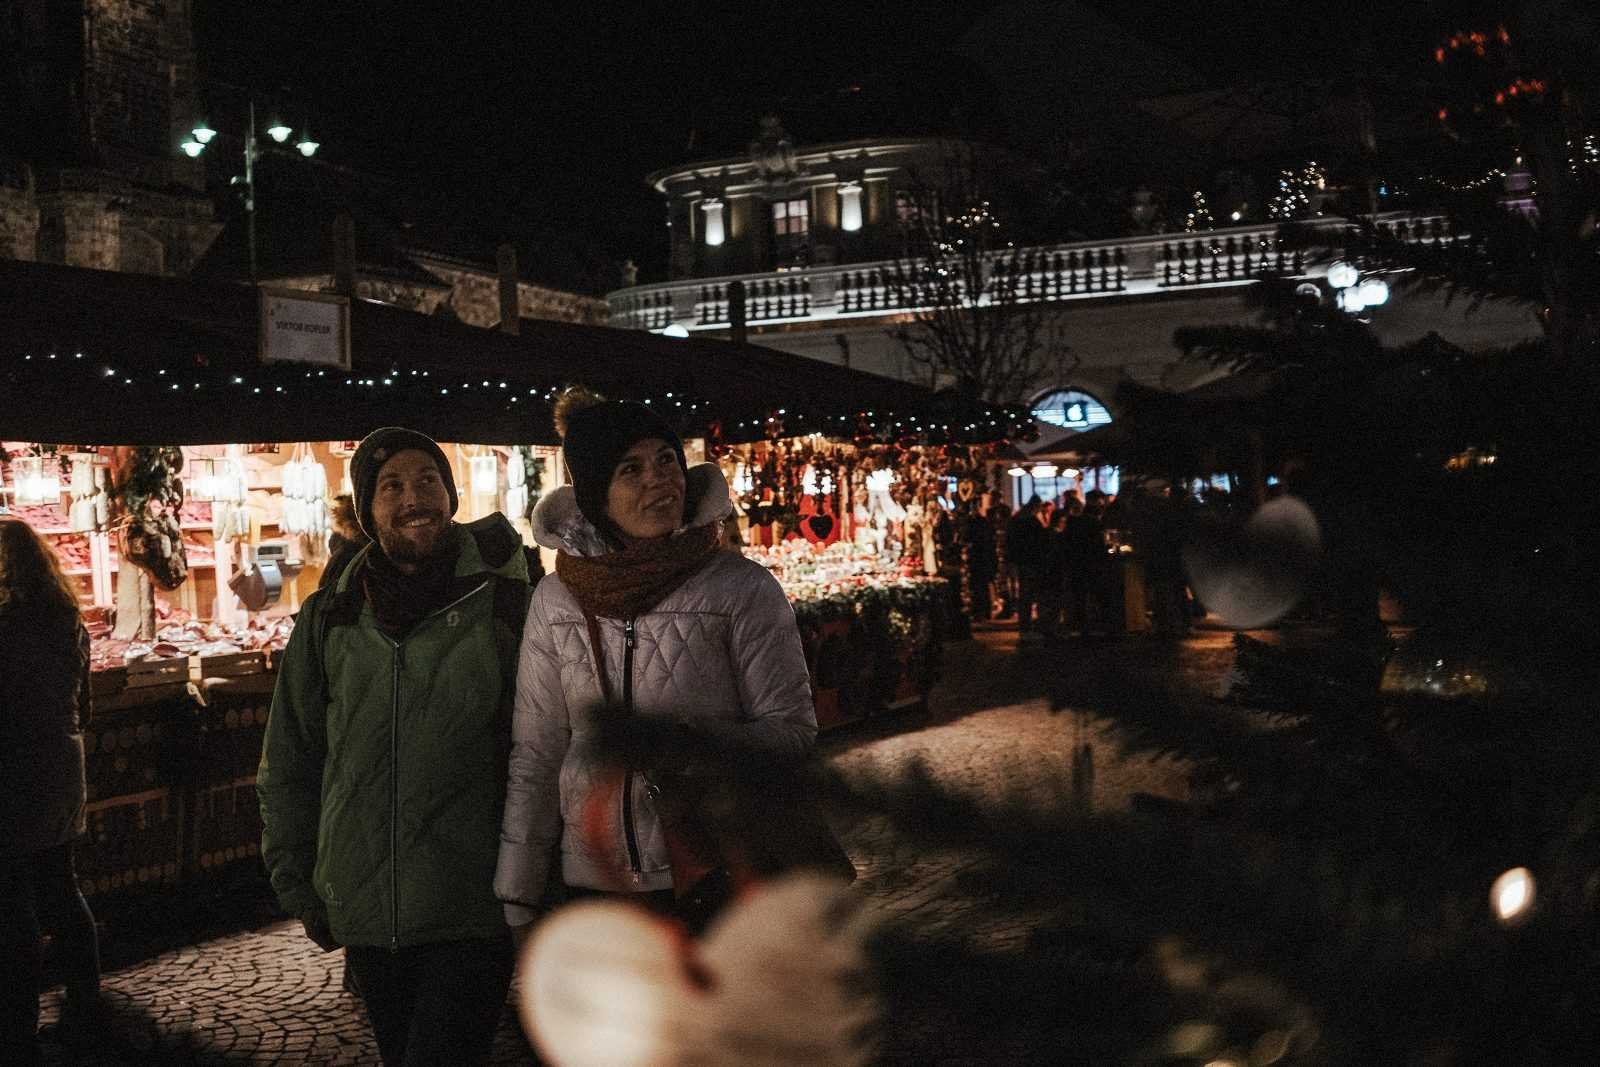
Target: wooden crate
233, 664
233, 725
143, 673
138, 740
135, 843
226, 826
108, 682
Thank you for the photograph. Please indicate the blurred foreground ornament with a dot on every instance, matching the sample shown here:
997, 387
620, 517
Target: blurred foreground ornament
1512, 896
781, 978
1250, 575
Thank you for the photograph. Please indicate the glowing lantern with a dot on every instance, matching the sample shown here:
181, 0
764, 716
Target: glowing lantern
1342, 275
849, 207
713, 210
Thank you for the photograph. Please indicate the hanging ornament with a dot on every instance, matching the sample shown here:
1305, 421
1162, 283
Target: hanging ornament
230, 518
305, 491
90, 509
808, 481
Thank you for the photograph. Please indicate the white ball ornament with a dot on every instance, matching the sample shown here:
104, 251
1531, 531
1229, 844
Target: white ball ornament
781, 978
1251, 575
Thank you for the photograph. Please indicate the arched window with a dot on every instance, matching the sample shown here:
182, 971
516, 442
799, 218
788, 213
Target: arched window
1070, 409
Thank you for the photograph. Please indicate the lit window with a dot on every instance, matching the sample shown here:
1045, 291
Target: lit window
791, 232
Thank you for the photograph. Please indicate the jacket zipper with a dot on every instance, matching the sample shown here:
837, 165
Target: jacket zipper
394, 768
628, 832
394, 801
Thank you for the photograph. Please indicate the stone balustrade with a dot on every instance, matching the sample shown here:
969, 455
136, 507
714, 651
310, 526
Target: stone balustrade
1093, 270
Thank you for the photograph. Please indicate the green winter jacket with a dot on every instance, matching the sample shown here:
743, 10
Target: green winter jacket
383, 771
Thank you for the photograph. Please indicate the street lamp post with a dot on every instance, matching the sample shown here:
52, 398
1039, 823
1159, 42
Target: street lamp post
202, 135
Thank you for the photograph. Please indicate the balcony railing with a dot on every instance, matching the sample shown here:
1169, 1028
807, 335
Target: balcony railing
1085, 270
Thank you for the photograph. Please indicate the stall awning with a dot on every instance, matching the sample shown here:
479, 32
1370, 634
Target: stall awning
141, 359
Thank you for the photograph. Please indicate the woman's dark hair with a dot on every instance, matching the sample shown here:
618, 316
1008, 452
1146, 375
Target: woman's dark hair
30, 575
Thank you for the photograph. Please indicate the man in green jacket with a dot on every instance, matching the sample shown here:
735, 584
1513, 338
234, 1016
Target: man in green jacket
383, 772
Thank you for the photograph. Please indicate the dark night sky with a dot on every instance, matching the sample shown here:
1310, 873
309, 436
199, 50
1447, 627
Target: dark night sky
541, 119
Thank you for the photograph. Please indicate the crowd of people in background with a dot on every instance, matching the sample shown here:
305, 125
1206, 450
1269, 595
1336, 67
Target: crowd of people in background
1053, 565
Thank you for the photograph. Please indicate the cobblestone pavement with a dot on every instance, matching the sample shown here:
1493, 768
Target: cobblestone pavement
263, 993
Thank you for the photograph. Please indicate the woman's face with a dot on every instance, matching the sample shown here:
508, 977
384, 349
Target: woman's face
645, 498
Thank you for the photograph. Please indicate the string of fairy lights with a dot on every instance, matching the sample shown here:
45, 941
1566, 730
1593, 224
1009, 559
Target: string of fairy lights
76, 370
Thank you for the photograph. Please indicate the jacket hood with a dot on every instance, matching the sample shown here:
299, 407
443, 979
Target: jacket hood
558, 524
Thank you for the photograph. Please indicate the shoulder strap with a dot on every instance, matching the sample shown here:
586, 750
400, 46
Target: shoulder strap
335, 608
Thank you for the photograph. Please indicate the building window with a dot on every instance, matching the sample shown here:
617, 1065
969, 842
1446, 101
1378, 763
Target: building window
916, 214
915, 208
791, 232
1070, 409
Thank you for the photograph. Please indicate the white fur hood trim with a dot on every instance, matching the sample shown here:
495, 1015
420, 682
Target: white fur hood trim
558, 524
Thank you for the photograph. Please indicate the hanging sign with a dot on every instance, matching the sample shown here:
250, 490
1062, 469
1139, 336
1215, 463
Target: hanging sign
303, 327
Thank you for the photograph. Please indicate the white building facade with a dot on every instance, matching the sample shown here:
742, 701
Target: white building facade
814, 235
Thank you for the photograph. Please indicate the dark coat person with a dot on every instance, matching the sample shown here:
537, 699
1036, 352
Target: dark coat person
1027, 549
983, 562
44, 708
1084, 544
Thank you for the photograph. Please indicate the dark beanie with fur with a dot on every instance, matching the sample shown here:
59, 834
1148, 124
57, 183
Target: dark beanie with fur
376, 449
595, 435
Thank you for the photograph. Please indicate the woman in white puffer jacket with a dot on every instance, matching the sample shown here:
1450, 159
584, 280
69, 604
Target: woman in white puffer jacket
683, 628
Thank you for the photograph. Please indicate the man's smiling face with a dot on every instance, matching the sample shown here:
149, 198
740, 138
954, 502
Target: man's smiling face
410, 508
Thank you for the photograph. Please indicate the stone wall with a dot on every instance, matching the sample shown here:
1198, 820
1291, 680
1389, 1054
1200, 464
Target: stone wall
139, 86
475, 297
409, 296
19, 223
93, 218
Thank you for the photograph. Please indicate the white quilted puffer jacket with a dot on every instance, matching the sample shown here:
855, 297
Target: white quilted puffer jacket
721, 652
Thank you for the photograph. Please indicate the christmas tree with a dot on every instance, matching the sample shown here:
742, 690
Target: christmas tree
1391, 852
1391, 848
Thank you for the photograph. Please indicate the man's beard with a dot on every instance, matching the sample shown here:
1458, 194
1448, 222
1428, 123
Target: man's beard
403, 550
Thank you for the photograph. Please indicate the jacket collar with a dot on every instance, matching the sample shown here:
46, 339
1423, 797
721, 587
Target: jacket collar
558, 524
492, 535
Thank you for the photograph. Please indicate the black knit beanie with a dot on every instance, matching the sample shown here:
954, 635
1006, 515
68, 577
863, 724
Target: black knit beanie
597, 437
376, 449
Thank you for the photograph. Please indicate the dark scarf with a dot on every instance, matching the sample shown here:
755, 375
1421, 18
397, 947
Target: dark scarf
630, 581
402, 600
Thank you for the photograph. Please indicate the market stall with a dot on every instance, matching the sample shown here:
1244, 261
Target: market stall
187, 484
189, 563
869, 540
